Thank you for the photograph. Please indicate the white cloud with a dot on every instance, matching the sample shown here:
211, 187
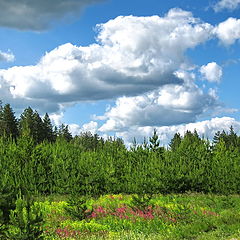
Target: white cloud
90, 127
38, 15
56, 118
75, 129
204, 128
228, 31
226, 4
133, 55
6, 57
87, 127
169, 105
211, 72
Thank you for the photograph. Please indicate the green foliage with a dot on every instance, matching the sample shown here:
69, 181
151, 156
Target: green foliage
141, 201
8, 122
46, 161
48, 133
175, 142
26, 221
63, 132
185, 216
7, 204
77, 207
65, 167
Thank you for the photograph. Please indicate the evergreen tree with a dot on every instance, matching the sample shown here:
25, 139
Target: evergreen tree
88, 141
192, 137
8, 122
175, 142
232, 138
145, 143
216, 137
63, 132
38, 128
154, 142
27, 121
31, 120
48, 128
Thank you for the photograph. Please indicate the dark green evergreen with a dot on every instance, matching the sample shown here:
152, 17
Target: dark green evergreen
48, 133
63, 132
175, 142
8, 122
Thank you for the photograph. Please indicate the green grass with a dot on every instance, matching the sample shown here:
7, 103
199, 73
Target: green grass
186, 216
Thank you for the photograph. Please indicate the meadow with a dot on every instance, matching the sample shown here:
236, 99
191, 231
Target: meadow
179, 216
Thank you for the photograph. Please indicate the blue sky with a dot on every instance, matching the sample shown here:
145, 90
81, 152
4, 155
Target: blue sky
124, 68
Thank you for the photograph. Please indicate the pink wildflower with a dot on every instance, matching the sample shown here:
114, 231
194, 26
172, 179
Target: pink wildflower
100, 209
93, 215
121, 210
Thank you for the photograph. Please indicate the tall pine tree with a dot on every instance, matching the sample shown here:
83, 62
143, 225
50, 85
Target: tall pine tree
48, 128
175, 142
31, 120
8, 122
63, 132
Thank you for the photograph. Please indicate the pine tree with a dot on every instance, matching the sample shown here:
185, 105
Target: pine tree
26, 121
64, 132
232, 138
38, 128
216, 137
48, 128
154, 142
145, 143
31, 120
175, 142
9, 124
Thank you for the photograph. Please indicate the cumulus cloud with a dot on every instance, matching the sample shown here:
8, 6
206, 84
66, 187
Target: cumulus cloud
226, 4
168, 105
228, 31
204, 128
132, 55
87, 127
38, 15
211, 72
6, 57
56, 118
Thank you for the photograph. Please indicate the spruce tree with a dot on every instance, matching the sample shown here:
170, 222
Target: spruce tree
8, 122
48, 128
232, 138
175, 142
63, 132
216, 137
38, 128
154, 141
27, 121
31, 120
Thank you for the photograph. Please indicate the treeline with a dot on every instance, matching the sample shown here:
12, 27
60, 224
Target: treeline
31, 123
89, 165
